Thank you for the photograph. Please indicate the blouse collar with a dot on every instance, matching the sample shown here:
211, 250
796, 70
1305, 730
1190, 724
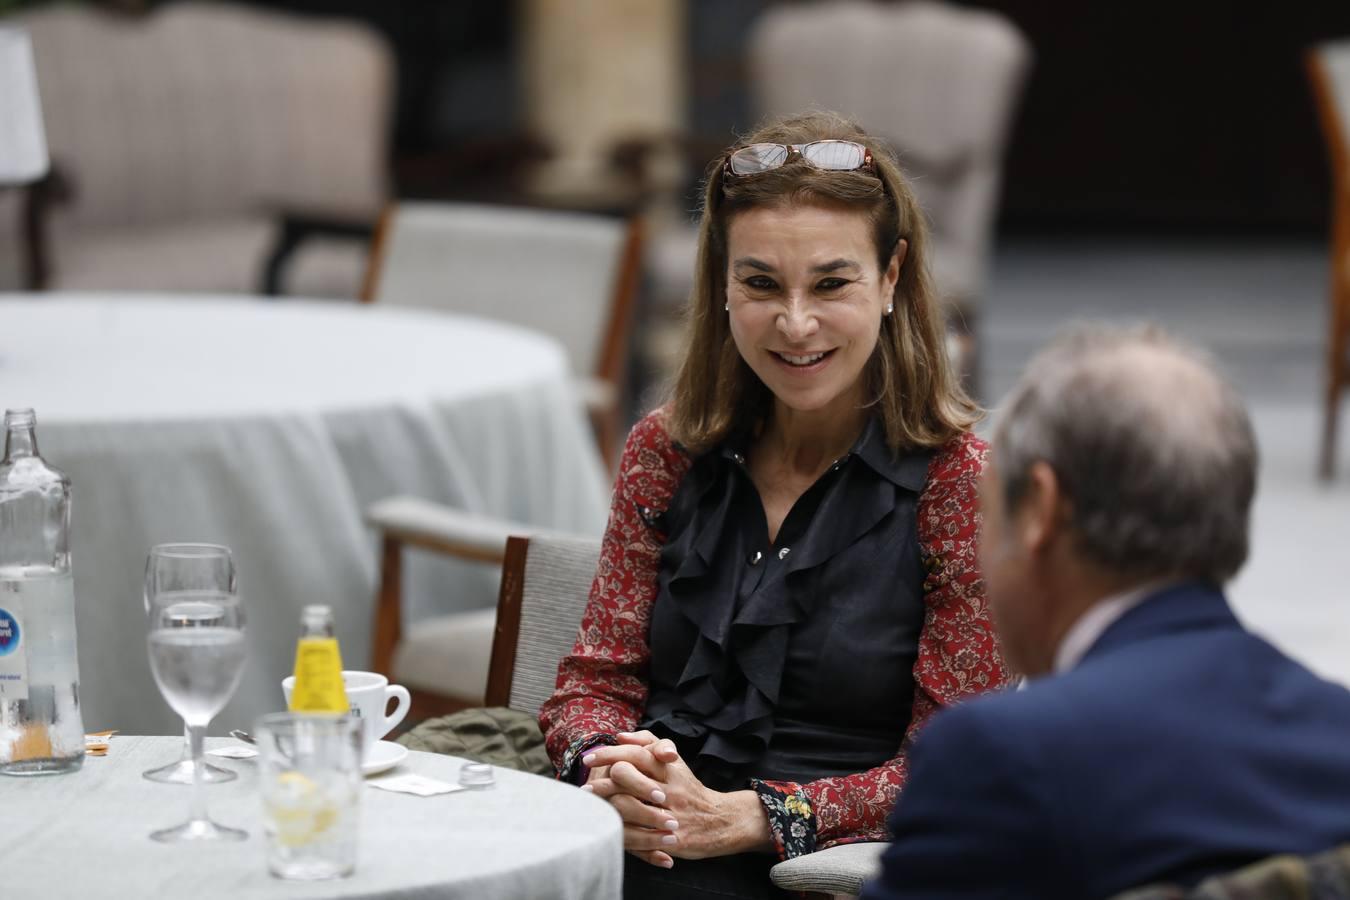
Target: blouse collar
908, 469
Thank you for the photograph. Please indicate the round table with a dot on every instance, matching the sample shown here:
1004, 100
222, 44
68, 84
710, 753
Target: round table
86, 835
269, 427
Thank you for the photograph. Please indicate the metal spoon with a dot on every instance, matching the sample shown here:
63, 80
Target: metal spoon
243, 736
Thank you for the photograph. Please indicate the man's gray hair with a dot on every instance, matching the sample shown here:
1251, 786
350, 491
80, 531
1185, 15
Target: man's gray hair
1152, 448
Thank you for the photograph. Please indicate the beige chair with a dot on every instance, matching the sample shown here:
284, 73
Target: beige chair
938, 81
546, 582
443, 660
567, 274
188, 132
570, 275
1329, 70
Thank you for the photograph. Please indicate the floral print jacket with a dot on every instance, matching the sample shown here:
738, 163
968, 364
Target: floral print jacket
601, 688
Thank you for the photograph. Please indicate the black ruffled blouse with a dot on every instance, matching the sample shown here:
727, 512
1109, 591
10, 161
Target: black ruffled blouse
791, 660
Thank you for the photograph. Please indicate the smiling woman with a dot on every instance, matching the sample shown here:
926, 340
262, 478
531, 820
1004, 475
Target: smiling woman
787, 586
807, 298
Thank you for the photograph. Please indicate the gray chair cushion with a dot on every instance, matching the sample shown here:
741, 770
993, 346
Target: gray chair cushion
838, 870
447, 654
223, 255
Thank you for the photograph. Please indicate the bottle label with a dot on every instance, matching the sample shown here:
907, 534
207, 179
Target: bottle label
13, 659
318, 677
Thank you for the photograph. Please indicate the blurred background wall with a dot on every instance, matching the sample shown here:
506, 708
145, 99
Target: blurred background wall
1199, 111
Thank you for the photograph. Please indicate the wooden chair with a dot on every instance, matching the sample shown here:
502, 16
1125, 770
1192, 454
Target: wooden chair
571, 275
546, 582
1329, 71
442, 661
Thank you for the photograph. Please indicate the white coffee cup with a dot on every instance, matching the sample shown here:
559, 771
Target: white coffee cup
368, 694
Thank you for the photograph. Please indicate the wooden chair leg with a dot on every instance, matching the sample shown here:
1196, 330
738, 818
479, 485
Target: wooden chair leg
388, 624
1338, 373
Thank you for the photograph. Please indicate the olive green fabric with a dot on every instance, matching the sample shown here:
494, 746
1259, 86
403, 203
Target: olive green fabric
494, 735
1325, 876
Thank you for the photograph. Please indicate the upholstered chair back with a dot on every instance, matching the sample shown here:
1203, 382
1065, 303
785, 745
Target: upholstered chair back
553, 271
546, 581
200, 111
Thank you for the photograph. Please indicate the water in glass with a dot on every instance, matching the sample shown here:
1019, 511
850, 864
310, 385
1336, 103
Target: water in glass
197, 669
175, 577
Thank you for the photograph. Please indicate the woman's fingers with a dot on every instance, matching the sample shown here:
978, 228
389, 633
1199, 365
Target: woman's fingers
635, 812
635, 838
654, 857
638, 757
605, 789
664, 751
601, 787
630, 780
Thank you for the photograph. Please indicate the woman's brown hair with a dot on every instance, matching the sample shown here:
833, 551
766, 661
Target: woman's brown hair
909, 380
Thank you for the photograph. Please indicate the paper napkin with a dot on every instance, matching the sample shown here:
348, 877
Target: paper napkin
410, 783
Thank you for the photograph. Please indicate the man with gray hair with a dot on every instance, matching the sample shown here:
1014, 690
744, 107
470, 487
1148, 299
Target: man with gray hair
1157, 740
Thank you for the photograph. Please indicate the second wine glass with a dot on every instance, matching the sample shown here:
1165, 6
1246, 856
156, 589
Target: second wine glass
172, 569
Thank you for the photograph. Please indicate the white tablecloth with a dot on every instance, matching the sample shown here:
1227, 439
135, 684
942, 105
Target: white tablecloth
85, 836
268, 427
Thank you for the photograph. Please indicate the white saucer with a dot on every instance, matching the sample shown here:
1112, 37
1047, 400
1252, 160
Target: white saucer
383, 757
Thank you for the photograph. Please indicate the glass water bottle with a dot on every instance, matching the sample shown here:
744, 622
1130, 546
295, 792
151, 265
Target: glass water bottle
40, 727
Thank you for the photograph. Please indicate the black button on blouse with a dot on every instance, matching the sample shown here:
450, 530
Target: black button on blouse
792, 660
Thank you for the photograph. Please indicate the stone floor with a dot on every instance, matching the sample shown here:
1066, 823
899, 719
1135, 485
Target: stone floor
1260, 307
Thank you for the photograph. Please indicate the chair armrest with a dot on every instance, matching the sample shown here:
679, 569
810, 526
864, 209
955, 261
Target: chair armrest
598, 395
295, 228
838, 870
432, 526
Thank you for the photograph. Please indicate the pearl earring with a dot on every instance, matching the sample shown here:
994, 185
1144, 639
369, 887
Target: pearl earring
890, 308
727, 308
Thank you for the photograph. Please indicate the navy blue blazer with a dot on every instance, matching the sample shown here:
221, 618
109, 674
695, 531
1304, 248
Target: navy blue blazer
1181, 746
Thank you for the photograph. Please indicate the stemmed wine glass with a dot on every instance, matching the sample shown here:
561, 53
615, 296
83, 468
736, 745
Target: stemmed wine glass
197, 653
172, 569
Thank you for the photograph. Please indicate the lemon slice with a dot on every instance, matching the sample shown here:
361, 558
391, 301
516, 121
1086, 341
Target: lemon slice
297, 810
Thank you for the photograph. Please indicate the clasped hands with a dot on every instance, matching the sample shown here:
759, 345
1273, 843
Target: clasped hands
667, 812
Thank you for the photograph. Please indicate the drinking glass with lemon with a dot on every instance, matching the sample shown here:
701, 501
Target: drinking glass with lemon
310, 771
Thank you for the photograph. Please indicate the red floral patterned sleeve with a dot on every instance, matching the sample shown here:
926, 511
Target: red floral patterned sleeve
602, 684
958, 657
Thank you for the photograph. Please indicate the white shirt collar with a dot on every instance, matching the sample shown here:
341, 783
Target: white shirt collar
1080, 637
